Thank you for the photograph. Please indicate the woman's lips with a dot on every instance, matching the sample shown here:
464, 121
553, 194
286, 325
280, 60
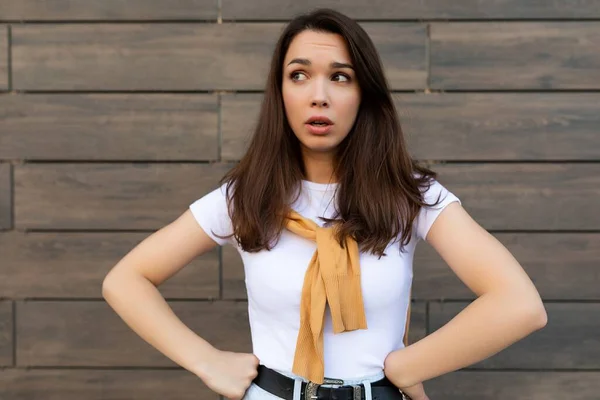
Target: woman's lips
318, 130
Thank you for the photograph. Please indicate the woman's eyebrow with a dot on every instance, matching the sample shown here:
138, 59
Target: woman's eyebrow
335, 64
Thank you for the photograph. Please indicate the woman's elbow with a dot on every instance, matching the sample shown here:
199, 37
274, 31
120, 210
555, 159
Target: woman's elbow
527, 308
536, 314
107, 285
540, 317
113, 281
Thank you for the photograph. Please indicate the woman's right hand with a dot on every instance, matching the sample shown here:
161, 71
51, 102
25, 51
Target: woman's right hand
230, 374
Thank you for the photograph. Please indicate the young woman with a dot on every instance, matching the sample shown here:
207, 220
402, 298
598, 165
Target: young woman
326, 208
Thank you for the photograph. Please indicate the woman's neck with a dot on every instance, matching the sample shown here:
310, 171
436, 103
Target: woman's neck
318, 168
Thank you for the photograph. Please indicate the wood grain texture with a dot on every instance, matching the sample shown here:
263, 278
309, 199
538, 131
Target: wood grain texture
501, 126
527, 196
89, 384
181, 56
465, 126
82, 10
563, 266
509, 93
403, 52
6, 190
85, 333
108, 196
569, 340
6, 333
418, 322
548, 55
109, 127
3, 56
239, 115
142, 56
179, 384
494, 385
67, 265
415, 9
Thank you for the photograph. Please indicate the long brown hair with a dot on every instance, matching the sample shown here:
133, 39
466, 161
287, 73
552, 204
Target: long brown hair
378, 195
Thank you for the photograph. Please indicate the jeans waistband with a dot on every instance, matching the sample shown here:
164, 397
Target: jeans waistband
350, 381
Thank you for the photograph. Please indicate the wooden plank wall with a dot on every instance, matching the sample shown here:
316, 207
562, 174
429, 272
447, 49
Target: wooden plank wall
116, 115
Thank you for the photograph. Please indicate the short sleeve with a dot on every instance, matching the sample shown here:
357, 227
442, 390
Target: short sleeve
428, 214
211, 214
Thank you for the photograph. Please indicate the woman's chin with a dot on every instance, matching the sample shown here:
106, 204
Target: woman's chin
319, 144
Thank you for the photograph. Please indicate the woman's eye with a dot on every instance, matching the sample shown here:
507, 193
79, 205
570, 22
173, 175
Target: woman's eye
347, 78
294, 75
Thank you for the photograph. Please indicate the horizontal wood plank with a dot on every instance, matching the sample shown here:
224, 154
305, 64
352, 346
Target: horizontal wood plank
85, 333
465, 126
64, 384
64, 265
107, 10
500, 196
229, 56
108, 196
418, 322
548, 55
403, 52
563, 266
527, 196
239, 115
89, 384
501, 126
3, 57
109, 127
495, 385
142, 56
569, 340
415, 9
91, 334
6, 333
271, 9
159, 385
6, 189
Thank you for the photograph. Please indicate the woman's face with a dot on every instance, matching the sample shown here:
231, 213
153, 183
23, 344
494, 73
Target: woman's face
318, 81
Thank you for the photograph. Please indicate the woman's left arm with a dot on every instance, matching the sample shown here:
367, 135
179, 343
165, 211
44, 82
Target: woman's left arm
508, 306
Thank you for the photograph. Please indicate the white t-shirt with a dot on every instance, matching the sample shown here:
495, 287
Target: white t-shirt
274, 282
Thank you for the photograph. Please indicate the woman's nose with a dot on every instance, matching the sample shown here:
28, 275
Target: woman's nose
319, 95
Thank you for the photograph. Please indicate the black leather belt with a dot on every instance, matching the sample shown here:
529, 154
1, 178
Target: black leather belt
283, 386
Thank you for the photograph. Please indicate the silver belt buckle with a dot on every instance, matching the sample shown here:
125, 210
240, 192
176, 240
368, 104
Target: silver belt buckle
357, 392
331, 381
312, 388
311, 391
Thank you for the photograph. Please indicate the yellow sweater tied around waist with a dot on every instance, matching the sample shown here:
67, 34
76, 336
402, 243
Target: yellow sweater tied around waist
333, 277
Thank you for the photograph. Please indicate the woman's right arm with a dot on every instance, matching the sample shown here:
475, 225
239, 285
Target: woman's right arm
130, 288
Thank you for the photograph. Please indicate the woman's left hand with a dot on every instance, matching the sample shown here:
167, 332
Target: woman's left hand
415, 392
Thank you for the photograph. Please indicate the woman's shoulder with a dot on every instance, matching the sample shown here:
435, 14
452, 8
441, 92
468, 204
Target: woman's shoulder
436, 196
211, 212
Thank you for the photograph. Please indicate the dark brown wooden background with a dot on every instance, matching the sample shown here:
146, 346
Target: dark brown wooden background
116, 115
